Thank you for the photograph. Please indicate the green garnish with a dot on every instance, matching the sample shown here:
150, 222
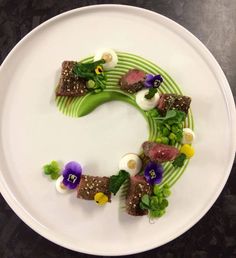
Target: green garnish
116, 181
170, 127
172, 117
157, 203
153, 112
179, 161
92, 72
151, 93
52, 169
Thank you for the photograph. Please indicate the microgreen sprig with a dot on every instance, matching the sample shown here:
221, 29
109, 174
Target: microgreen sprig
52, 169
157, 203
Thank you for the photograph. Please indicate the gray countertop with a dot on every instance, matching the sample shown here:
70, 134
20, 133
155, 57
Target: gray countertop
214, 23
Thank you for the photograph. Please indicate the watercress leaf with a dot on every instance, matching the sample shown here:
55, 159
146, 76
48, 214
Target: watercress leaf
116, 181
154, 203
155, 213
146, 200
54, 176
166, 192
156, 189
179, 161
143, 206
151, 93
47, 170
164, 204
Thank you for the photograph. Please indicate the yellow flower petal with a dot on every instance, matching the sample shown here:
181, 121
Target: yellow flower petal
99, 69
101, 198
188, 150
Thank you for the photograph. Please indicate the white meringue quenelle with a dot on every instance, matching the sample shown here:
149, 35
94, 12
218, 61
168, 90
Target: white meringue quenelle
131, 163
144, 103
59, 185
188, 136
110, 57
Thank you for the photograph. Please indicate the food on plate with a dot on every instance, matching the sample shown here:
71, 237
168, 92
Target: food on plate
159, 152
137, 188
70, 84
173, 101
188, 136
116, 181
188, 150
131, 163
153, 173
109, 56
146, 103
89, 186
60, 187
100, 198
133, 80
143, 177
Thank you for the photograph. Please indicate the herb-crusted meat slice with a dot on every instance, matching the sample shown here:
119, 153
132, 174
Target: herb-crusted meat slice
90, 185
70, 85
137, 188
173, 101
132, 81
159, 152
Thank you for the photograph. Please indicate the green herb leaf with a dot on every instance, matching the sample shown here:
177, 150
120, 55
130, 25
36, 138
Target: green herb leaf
145, 200
116, 181
166, 192
155, 213
54, 176
52, 169
164, 204
151, 93
179, 161
143, 206
153, 112
154, 203
156, 189
172, 116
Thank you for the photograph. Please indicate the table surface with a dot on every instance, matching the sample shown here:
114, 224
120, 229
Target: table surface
214, 23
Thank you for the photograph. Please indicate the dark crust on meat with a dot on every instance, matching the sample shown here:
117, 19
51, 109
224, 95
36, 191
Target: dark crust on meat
90, 185
137, 188
132, 88
70, 85
173, 101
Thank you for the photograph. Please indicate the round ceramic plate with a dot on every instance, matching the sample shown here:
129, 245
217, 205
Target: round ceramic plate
34, 132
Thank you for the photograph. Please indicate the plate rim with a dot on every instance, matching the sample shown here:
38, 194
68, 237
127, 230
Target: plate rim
224, 87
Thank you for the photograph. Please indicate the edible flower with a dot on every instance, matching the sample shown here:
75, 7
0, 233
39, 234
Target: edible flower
153, 173
188, 150
100, 198
72, 174
98, 69
153, 81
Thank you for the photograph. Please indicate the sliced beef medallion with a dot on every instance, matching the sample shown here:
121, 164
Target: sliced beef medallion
137, 188
90, 185
70, 85
159, 152
132, 81
173, 101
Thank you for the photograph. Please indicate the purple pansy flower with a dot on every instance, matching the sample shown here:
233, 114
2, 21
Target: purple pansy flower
71, 174
153, 81
153, 173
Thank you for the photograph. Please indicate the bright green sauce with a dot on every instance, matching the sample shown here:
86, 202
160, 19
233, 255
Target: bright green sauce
78, 107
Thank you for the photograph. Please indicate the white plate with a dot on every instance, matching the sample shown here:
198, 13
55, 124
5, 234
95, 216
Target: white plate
33, 132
